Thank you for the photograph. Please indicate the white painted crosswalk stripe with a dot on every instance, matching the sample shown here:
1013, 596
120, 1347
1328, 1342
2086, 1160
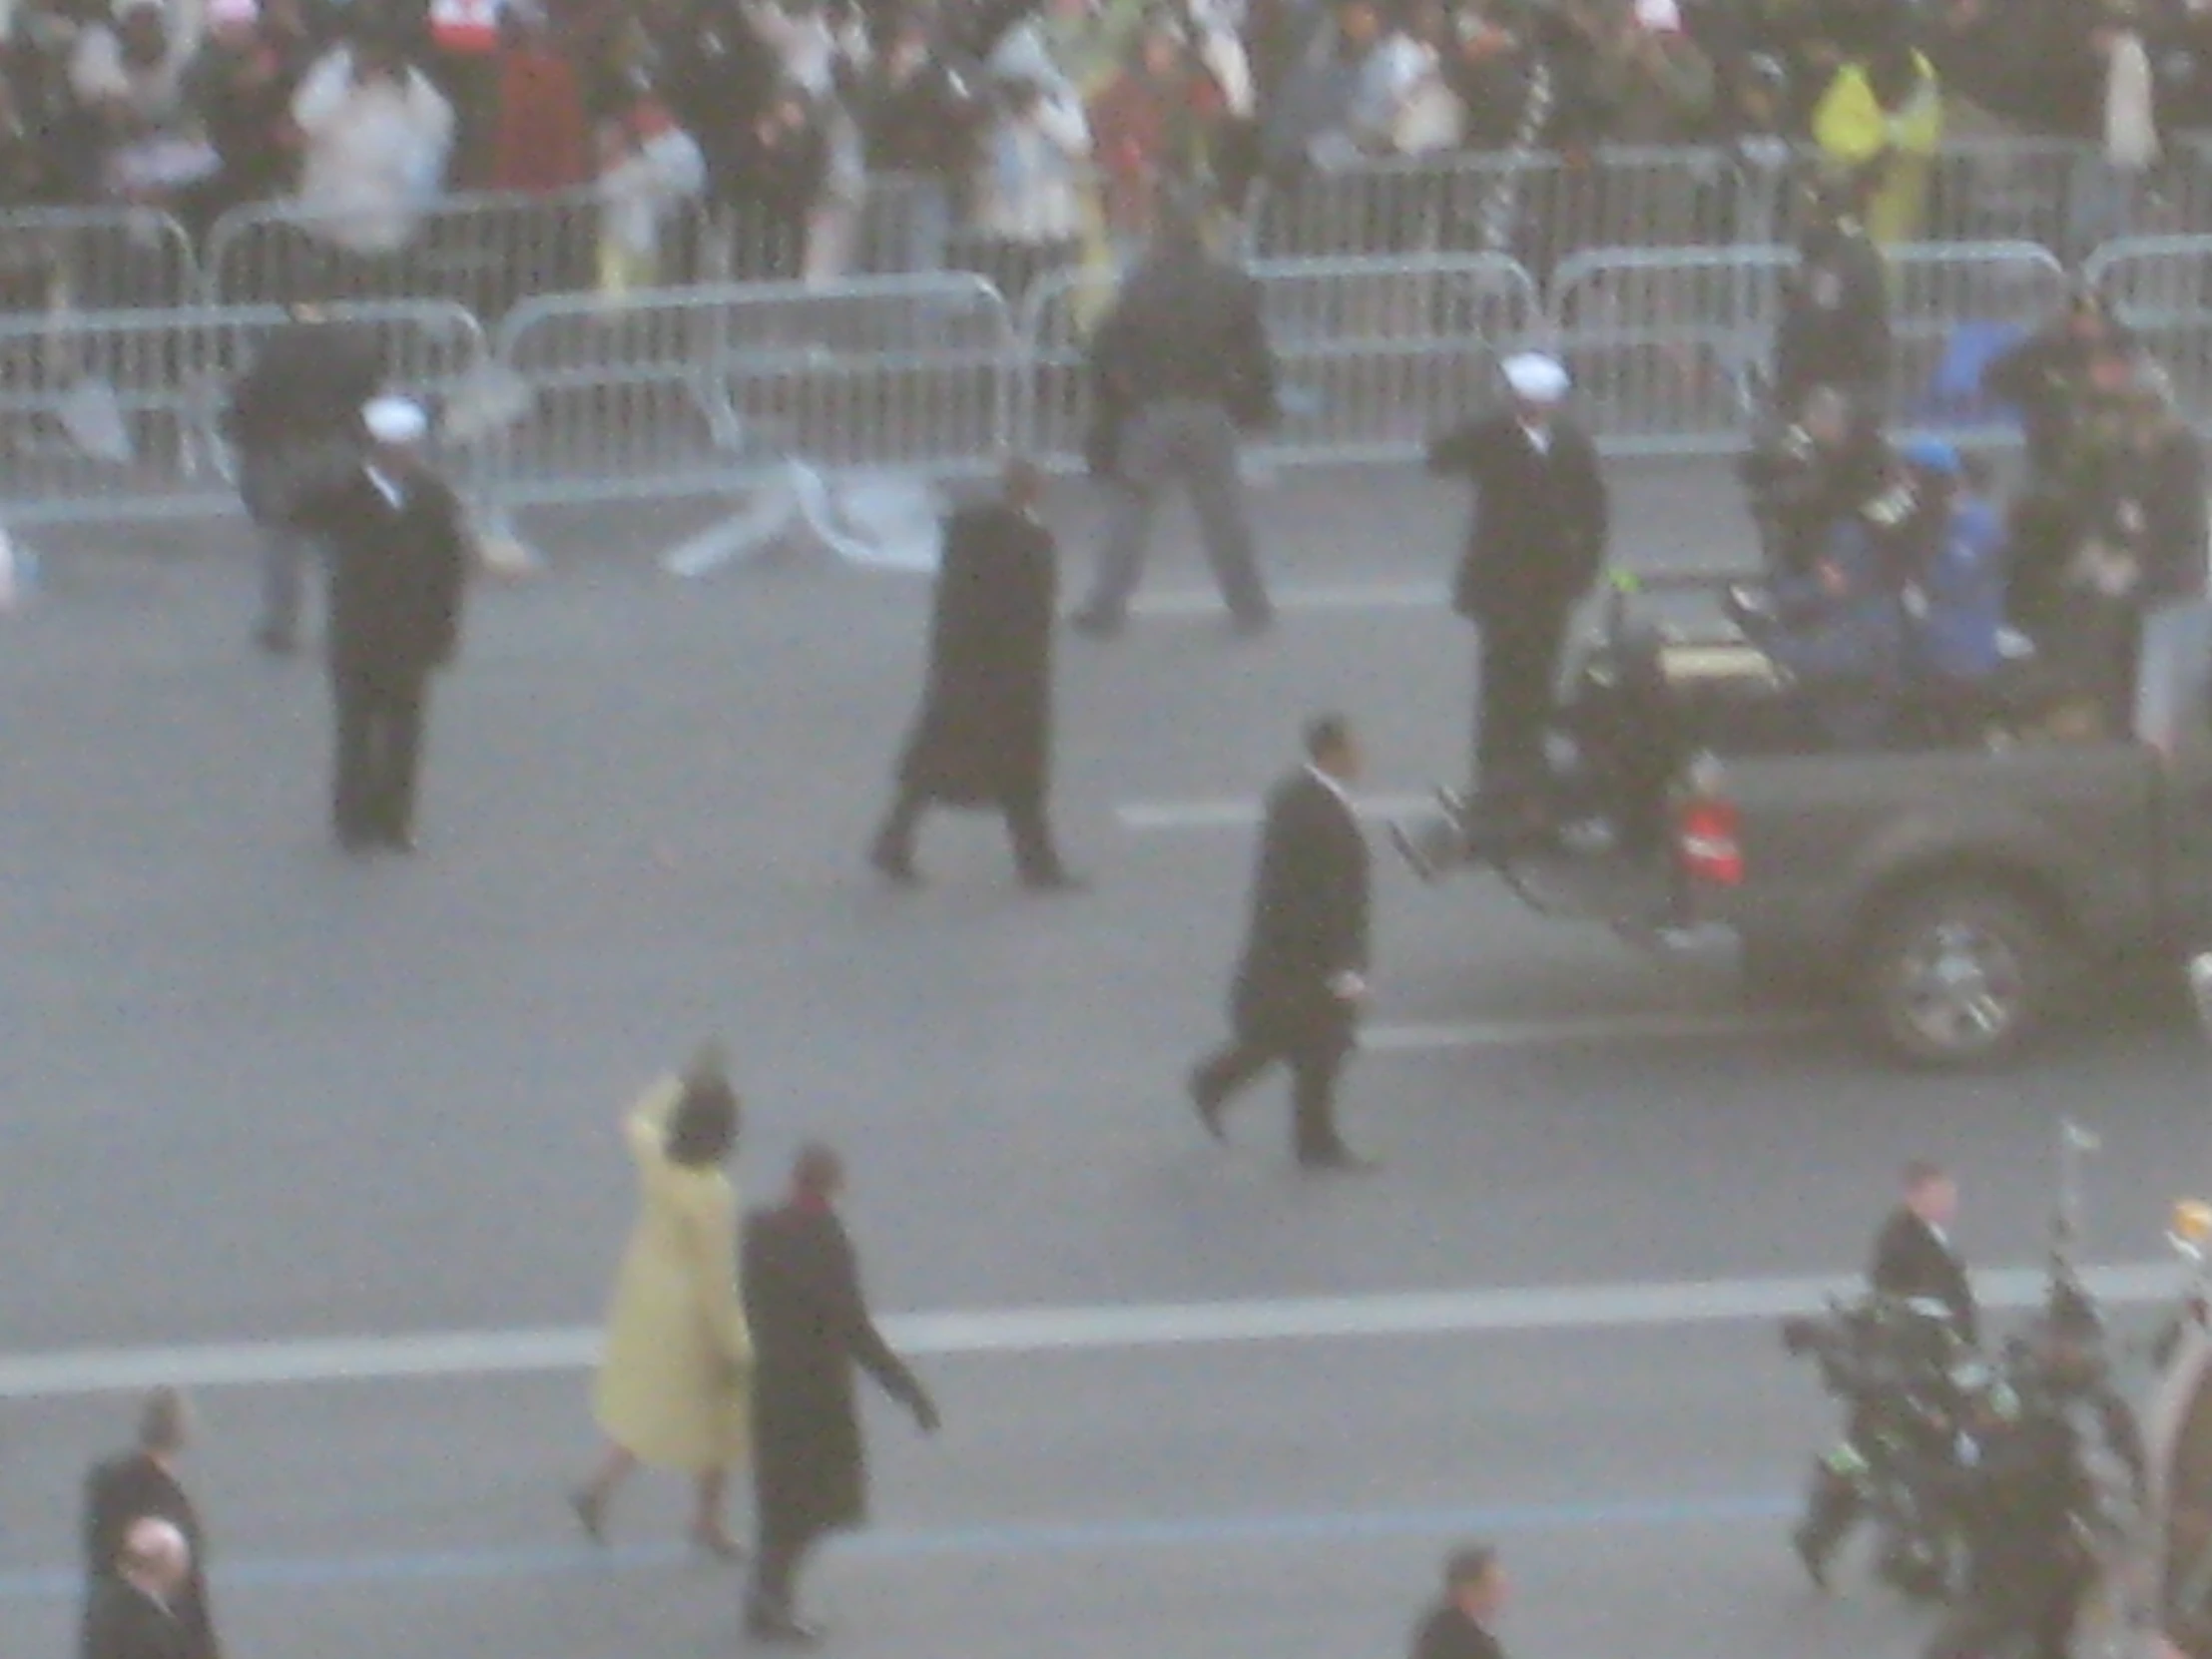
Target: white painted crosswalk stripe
1511, 1311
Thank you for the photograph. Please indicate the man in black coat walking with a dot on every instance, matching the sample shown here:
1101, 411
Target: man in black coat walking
400, 562
1913, 1253
295, 421
1458, 1626
811, 1328
134, 1485
1179, 367
1303, 977
983, 737
138, 1608
1541, 523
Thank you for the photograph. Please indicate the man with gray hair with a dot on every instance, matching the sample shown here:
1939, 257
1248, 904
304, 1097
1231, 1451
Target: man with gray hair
137, 1610
122, 1493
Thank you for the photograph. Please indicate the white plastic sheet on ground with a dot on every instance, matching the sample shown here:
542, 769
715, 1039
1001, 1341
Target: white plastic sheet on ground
878, 521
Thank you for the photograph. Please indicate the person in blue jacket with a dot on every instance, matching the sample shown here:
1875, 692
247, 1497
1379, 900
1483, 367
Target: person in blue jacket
1957, 597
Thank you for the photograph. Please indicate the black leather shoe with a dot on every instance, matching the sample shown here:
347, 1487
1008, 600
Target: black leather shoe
1815, 1564
1206, 1101
899, 872
1250, 625
780, 1629
1338, 1160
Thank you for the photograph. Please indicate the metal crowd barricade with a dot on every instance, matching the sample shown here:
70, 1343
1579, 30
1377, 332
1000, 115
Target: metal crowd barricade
2161, 287
93, 258
696, 393
1953, 306
1374, 354
118, 414
485, 253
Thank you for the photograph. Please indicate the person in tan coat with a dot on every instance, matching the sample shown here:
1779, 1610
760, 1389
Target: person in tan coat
675, 1378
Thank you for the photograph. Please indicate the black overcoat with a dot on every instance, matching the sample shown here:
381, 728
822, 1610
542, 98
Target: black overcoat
131, 1486
294, 415
1911, 1260
1540, 524
811, 1329
121, 1623
1309, 920
397, 575
983, 735
1447, 1633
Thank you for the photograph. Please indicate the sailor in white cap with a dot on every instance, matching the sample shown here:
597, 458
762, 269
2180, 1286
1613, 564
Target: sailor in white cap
400, 558
1536, 545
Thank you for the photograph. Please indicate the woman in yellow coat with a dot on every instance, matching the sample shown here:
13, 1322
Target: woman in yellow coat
675, 1378
1881, 121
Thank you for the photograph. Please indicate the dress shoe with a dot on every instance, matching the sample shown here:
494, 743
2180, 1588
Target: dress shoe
893, 866
781, 1629
1250, 625
590, 1510
1094, 622
1815, 1564
1206, 1101
1338, 1160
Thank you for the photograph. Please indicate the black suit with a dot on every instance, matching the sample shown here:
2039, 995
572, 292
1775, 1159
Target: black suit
1448, 1633
1309, 927
1911, 1260
129, 1488
123, 1622
397, 578
811, 1329
1538, 539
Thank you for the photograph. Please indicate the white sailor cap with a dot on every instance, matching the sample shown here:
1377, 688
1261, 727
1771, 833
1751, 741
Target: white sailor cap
1537, 378
397, 421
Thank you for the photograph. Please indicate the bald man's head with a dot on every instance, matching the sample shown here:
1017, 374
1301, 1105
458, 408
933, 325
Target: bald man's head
155, 1554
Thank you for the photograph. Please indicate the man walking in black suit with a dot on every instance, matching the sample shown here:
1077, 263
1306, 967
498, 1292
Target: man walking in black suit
1458, 1626
1914, 1256
1303, 977
811, 1328
134, 1485
399, 561
137, 1609
1538, 543
983, 737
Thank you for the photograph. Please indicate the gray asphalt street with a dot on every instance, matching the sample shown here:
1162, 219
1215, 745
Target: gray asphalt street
257, 1094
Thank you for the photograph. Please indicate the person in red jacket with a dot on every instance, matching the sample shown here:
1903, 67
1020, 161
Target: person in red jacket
541, 141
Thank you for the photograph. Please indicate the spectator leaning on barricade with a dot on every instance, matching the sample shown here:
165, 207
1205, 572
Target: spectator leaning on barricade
921, 121
242, 81
377, 133
1160, 120
649, 169
129, 78
1029, 216
770, 180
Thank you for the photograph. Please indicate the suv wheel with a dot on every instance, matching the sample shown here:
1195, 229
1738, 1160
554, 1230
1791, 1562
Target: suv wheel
1956, 975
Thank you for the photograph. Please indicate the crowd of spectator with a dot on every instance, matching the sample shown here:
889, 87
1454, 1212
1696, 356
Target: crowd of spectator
1024, 130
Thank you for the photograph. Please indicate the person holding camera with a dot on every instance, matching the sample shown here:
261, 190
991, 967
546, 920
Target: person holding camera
1179, 367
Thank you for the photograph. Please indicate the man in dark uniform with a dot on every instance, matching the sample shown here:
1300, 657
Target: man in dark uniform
1180, 367
1538, 542
1911, 1260
1303, 977
1835, 329
983, 737
400, 562
137, 1609
1458, 1626
142, 1483
810, 1327
295, 421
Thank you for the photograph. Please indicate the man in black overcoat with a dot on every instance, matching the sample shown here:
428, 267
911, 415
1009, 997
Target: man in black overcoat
1913, 1254
1458, 1626
139, 1483
399, 551
294, 420
1538, 540
983, 737
1303, 976
811, 1329
137, 1609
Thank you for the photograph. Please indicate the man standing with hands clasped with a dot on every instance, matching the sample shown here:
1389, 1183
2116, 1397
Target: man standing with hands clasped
1302, 979
1538, 542
399, 549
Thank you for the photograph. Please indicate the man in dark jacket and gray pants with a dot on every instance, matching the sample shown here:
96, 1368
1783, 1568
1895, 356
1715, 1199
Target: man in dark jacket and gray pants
1542, 519
810, 1327
1180, 366
400, 562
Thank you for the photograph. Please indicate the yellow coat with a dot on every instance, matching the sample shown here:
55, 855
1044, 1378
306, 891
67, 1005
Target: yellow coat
1853, 130
675, 1376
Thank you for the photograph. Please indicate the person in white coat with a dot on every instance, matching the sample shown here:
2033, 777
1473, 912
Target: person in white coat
377, 135
1028, 195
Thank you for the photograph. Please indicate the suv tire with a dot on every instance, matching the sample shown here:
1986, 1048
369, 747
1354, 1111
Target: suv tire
1954, 976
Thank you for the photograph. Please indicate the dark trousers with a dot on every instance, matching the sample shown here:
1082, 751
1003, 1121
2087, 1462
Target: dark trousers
779, 1552
1027, 827
379, 744
1516, 681
1315, 1066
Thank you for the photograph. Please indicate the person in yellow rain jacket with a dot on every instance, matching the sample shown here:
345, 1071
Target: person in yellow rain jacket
675, 1377
1881, 121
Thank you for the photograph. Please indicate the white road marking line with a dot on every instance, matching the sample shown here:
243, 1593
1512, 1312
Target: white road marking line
1410, 596
1036, 1330
1593, 1028
1150, 818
